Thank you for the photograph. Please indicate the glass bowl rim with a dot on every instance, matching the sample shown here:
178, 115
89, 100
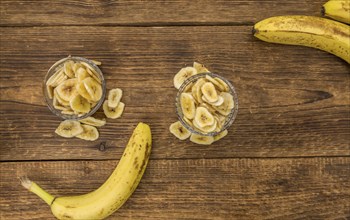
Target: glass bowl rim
229, 119
51, 71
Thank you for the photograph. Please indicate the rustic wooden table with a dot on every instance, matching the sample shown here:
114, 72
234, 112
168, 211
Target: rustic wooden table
285, 157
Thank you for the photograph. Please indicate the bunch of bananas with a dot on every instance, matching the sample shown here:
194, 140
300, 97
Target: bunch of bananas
321, 33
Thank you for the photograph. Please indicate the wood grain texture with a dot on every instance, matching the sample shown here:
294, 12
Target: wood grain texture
294, 102
287, 156
180, 12
305, 188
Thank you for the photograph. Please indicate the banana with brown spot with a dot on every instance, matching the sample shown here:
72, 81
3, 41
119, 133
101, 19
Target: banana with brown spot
111, 195
310, 31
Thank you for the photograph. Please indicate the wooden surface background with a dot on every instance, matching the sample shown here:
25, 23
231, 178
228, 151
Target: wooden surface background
287, 156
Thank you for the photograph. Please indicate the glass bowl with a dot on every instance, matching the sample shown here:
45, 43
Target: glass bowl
54, 68
229, 118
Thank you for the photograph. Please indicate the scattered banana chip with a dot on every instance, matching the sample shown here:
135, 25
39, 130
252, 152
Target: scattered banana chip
220, 135
205, 104
200, 68
113, 112
182, 75
203, 140
93, 121
90, 133
69, 129
75, 85
114, 97
179, 130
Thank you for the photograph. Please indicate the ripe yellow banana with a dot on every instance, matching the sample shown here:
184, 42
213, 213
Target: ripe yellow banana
310, 31
113, 193
338, 10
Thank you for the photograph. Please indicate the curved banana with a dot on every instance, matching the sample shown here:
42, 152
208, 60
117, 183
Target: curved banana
310, 31
338, 10
113, 193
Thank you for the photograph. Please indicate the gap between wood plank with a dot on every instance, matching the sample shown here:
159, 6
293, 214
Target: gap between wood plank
150, 24
174, 159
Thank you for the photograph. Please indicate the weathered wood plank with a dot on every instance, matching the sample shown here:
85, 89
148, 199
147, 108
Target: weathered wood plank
305, 188
29, 13
293, 102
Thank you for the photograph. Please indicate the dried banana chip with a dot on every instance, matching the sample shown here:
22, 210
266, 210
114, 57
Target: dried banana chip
53, 78
93, 88
182, 75
187, 105
90, 133
200, 68
92, 72
203, 140
59, 99
75, 68
220, 135
49, 90
83, 92
69, 129
179, 131
98, 63
67, 67
216, 83
67, 89
94, 75
188, 87
82, 74
209, 92
223, 84
113, 112
203, 117
114, 96
93, 121
80, 104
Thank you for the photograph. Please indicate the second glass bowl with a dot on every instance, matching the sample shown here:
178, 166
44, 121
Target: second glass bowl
229, 119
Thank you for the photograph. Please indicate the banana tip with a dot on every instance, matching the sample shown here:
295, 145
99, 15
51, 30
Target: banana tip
323, 11
254, 31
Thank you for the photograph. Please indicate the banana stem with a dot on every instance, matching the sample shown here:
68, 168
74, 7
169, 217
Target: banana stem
36, 189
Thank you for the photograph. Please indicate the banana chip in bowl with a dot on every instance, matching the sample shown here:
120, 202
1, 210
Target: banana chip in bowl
74, 88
